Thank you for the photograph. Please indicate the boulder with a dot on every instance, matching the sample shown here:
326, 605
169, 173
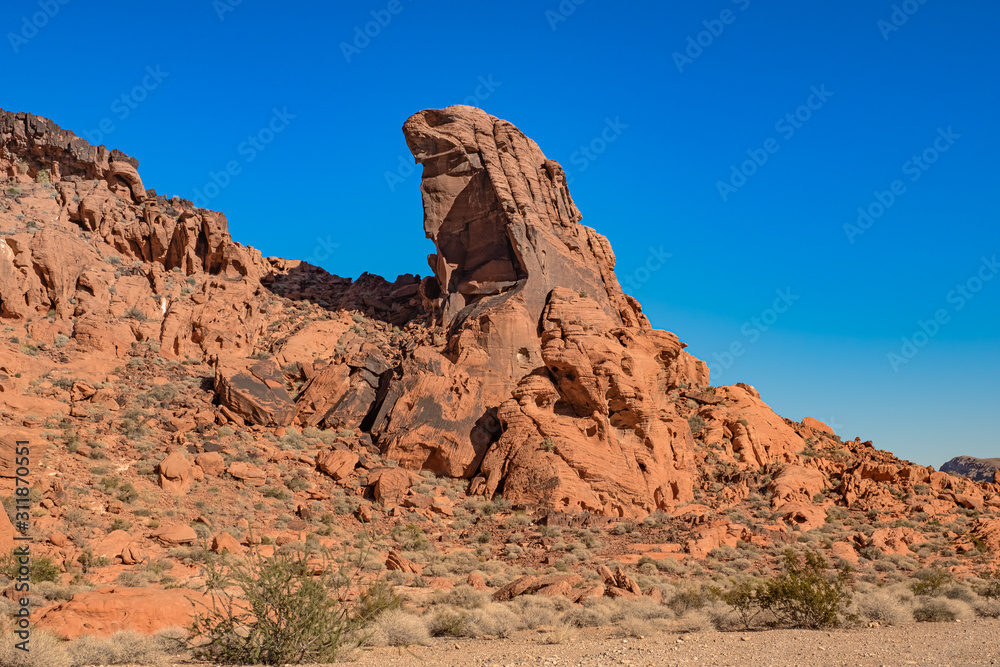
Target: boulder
226, 542
337, 463
175, 473
247, 473
212, 463
175, 534
255, 390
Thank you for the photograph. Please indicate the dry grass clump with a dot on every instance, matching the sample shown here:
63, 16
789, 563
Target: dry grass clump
122, 648
45, 651
635, 626
537, 611
987, 607
490, 620
883, 607
560, 634
593, 614
399, 628
941, 610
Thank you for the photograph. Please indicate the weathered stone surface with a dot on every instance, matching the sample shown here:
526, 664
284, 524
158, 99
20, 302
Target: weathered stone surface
105, 611
603, 397
211, 462
175, 473
174, 534
248, 473
226, 542
337, 463
255, 390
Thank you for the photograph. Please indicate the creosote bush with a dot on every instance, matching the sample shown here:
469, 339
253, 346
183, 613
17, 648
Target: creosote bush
804, 595
283, 613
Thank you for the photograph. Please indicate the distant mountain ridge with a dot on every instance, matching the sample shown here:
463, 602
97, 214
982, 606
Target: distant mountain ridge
978, 470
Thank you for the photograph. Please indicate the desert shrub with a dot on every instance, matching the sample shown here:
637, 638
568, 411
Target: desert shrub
930, 581
399, 628
376, 599
466, 597
694, 621
696, 422
122, 648
634, 626
687, 598
42, 569
134, 313
536, 611
991, 586
448, 621
560, 635
959, 592
593, 614
45, 651
743, 598
987, 608
804, 596
883, 607
644, 607
493, 620
941, 610
282, 613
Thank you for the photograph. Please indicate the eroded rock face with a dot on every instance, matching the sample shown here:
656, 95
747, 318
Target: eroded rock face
105, 611
594, 429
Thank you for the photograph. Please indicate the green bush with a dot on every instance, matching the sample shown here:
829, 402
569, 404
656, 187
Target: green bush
697, 423
991, 589
42, 569
804, 595
930, 581
283, 613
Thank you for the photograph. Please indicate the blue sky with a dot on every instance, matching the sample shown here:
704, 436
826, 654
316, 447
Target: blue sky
706, 164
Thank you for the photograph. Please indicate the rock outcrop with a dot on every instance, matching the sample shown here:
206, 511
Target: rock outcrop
519, 364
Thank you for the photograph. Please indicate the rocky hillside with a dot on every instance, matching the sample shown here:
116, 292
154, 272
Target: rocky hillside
980, 470
179, 388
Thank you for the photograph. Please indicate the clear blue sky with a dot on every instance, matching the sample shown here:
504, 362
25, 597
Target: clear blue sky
319, 188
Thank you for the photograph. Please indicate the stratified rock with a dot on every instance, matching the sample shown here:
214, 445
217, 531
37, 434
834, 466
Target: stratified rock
255, 390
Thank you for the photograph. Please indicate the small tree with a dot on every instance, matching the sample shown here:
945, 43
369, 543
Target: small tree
804, 595
743, 597
285, 612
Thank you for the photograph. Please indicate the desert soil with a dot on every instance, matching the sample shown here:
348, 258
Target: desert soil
975, 643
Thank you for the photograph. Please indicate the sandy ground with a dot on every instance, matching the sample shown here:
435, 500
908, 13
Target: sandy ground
975, 643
